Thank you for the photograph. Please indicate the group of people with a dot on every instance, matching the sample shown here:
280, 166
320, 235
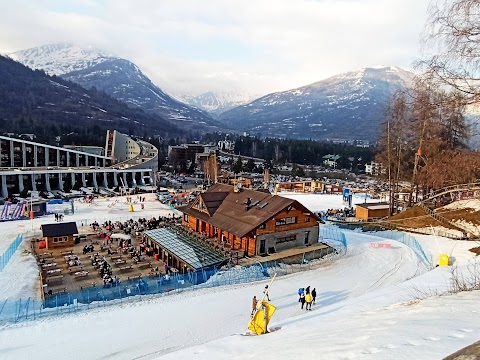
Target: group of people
88, 248
109, 280
104, 268
132, 227
337, 213
306, 298
58, 217
74, 261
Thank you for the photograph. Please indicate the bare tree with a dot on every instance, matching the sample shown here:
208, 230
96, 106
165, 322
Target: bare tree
452, 37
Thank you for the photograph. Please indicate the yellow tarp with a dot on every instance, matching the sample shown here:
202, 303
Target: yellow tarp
259, 324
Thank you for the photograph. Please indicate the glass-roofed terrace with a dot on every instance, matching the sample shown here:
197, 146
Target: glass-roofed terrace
183, 253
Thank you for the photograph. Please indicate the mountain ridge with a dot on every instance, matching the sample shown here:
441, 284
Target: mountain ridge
349, 106
116, 76
31, 100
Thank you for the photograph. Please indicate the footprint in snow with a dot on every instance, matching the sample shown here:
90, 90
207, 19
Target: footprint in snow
412, 343
432, 338
458, 336
466, 330
390, 346
371, 351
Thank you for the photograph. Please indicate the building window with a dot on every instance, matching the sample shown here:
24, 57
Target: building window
185, 217
60, 239
307, 219
286, 221
286, 239
263, 226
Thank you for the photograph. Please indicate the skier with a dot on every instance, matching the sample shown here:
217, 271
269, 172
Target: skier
265, 291
308, 300
307, 290
300, 292
254, 305
314, 295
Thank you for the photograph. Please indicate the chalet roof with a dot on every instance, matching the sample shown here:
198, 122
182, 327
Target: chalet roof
59, 229
213, 200
374, 206
331, 157
189, 251
231, 212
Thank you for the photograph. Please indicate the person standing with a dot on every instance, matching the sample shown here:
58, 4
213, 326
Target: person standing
302, 300
265, 291
314, 295
308, 300
254, 305
300, 292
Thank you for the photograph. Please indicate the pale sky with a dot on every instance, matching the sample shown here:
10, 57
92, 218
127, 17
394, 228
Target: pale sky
257, 46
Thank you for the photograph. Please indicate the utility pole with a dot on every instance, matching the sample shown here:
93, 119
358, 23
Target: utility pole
390, 200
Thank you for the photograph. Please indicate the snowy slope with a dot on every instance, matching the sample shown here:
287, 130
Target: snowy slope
347, 106
367, 308
61, 58
218, 102
125, 81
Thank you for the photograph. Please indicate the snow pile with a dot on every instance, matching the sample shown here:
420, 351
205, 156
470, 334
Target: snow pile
323, 202
471, 228
464, 204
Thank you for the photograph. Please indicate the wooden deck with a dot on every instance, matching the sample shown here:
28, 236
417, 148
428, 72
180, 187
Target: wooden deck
63, 277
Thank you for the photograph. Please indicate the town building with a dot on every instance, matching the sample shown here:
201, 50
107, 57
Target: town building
372, 211
188, 153
309, 186
374, 168
253, 222
28, 165
331, 160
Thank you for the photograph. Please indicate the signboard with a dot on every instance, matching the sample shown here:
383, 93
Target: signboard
347, 197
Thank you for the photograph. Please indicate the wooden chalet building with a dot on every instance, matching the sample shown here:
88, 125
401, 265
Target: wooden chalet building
59, 234
251, 221
372, 211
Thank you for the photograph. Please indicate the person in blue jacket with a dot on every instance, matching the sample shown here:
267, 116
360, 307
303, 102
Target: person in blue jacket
300, 292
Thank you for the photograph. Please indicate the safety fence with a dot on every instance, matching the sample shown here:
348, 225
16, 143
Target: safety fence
101, 296
333, 236
7, 255
15, 310
409, 241
404, 238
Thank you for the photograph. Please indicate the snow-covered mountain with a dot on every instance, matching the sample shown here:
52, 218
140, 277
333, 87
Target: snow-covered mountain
61, 58
346, 106
219, 102
118, 77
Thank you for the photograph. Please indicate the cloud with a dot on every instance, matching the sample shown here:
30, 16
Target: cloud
193, 46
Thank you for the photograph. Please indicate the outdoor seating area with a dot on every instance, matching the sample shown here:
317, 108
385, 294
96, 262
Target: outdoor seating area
73, 269
110, 254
